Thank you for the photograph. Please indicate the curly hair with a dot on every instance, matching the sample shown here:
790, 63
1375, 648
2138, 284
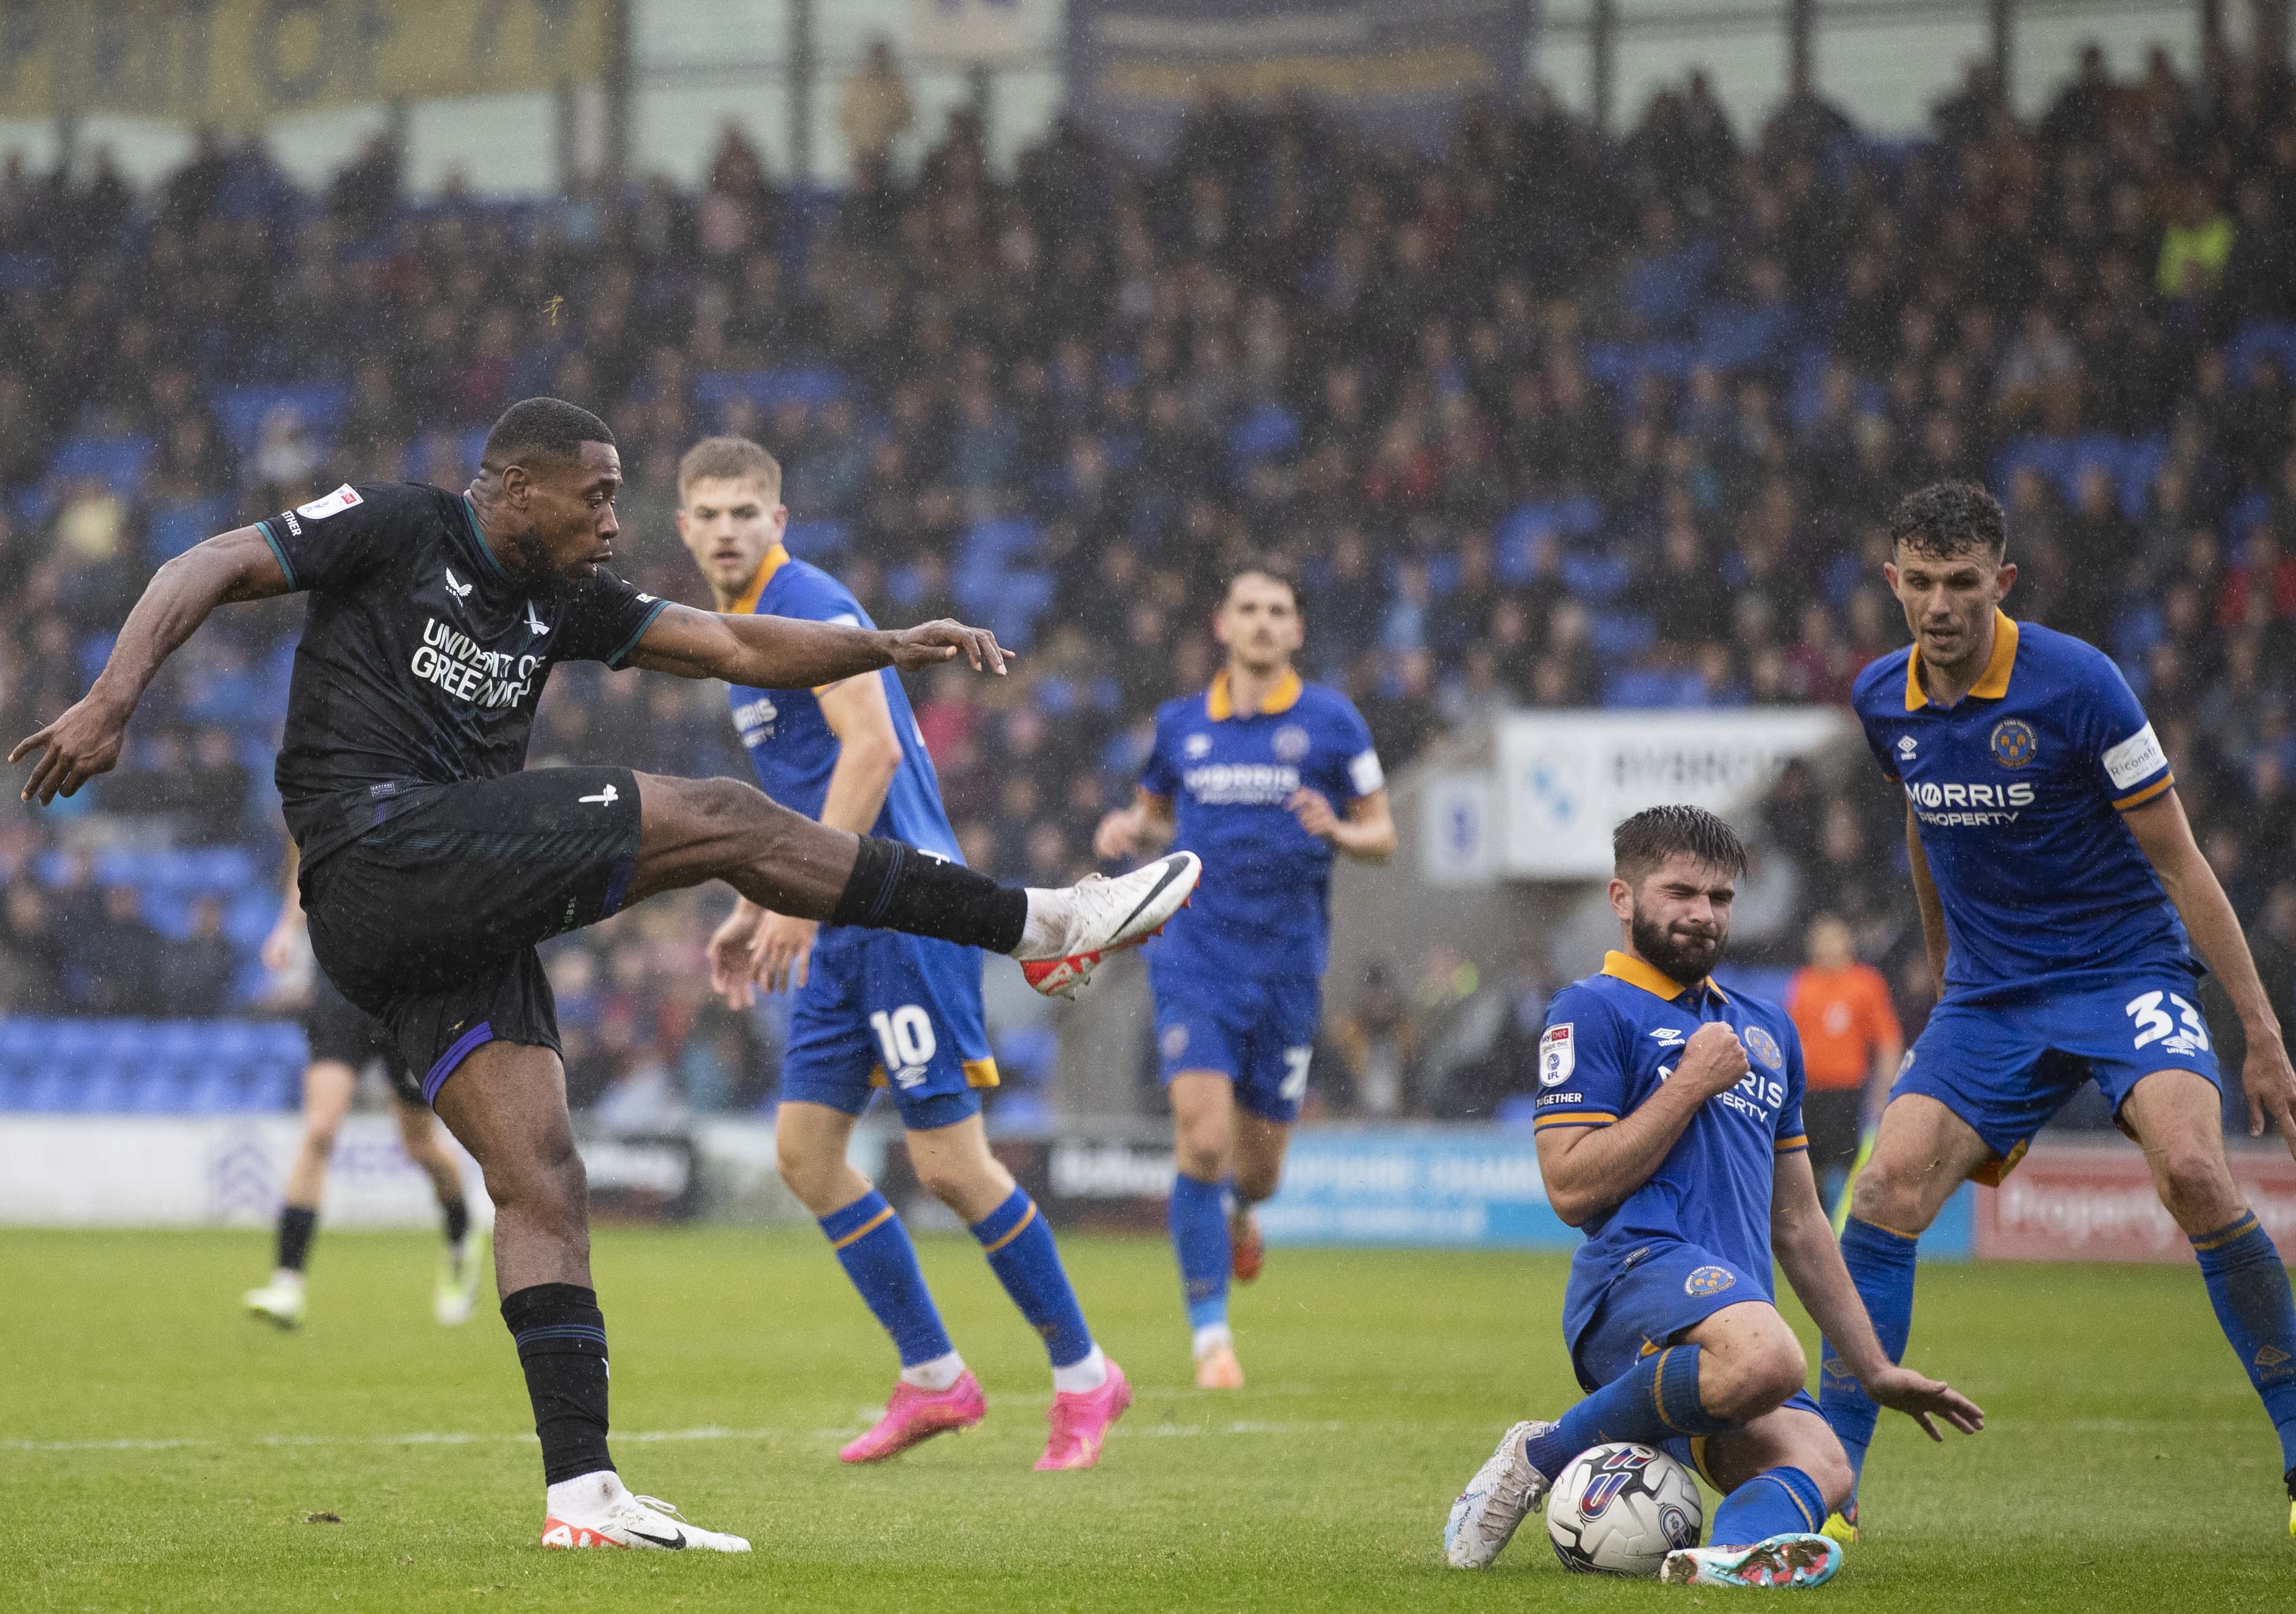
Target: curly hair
1949, 519
1647, 840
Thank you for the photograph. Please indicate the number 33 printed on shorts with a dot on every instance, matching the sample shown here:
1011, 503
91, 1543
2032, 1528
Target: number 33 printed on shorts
2152, 1025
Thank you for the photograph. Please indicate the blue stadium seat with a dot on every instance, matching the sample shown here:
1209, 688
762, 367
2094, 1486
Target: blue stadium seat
1619, 636
1596, 577
176, 526
818, 542
22, 1038
242, 410
51, 1090
1026, 1057
118, 463
768, 389
268, 1087
1266, 432
1006, 603
15, 1090
998, 544
2260, 339
214, 1091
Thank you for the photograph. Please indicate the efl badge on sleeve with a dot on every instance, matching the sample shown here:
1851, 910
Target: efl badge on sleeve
1558, 1055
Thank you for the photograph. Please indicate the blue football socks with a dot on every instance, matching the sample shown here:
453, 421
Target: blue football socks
1651, 1401
1018, 1242
1881, 1263
1776, 1502
875, 1249
1200, 1238
2248, 1287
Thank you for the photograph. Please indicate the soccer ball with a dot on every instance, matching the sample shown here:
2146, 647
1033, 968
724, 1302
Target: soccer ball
1619, 1509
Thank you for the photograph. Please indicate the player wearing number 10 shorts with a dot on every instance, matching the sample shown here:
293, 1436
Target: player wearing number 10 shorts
2063, 901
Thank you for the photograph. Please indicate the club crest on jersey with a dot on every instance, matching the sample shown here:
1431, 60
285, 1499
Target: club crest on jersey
1291, 742
1176, 1041
2013, 742
1708, 1281
1558, 1053
1764, 1047
1196, 748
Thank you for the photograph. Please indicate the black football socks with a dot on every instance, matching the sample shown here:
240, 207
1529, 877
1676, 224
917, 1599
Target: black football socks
561, 1345
895, 886
296, 1227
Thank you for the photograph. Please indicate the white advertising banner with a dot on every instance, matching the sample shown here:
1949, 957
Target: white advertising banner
992, 33
144, 1171
1565, 779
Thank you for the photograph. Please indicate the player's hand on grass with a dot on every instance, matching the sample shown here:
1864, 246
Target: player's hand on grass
78, 746
1118, 834
1903, 1391
733, 972
781, 954
931, 643
1313, 809
1712, 1061
2270, 1083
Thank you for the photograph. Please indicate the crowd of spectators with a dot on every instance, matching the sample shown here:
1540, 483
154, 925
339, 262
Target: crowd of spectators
1552, 417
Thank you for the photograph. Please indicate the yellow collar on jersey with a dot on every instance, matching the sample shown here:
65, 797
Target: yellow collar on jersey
770, 562
1995, 682
1219, 705
1632, 971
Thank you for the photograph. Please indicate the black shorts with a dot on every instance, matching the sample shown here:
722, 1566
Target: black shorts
341, 1033
428, 921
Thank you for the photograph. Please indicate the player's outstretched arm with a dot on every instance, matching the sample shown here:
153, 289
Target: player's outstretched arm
1801, 1238
1588, 1170
86, 741
1367, 833
2165, 836
782, 653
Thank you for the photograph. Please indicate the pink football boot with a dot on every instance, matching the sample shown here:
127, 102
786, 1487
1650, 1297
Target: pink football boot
914, 1414
1080, 1421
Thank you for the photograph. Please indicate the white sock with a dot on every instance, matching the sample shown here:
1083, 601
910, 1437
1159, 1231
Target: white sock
936, 1374
1047, 924
1081, 1377
287, 1277
586, 1498
1210, 1337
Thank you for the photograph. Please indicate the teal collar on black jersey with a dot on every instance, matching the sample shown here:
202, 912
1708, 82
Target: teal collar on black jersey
1992, 687
478, 538
1635, 973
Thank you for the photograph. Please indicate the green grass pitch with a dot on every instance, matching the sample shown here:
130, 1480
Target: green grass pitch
160, 1451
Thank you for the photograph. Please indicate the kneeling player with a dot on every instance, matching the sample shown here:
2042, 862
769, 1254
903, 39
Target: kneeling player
343, 1038
876, 1007
1669, 1132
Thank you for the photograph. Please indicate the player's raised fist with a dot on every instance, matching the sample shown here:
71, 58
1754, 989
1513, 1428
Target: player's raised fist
1713, 1059
930, 644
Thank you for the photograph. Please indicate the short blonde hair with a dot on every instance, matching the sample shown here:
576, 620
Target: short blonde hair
730, 459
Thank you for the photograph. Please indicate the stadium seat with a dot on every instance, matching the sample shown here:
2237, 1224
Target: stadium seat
1619, 636
1266, 432
996, 545
118, 463
243, 410
818, 542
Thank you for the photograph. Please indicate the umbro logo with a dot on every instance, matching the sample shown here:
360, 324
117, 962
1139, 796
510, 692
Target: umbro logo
457, 588
1905, 746
1667, 1037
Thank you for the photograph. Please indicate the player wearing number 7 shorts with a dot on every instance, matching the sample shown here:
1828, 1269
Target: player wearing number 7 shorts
1266, 779
873, 1009
2064, 902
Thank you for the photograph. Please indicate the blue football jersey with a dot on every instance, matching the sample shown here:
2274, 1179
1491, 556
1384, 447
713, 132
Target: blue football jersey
1609, 1040
2018, 793
1261, 908
791, 743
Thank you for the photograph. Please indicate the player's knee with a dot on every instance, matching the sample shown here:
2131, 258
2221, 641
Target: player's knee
319, 1137
1887, 1196
1256, 1180
806, 1172
546, 1182
1753, 1376
1203, 1152
956, 1181
2196, 1186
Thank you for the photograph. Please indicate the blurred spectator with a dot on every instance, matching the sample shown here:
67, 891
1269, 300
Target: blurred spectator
195, 973
1378, 1046
1850, 1046
875, 111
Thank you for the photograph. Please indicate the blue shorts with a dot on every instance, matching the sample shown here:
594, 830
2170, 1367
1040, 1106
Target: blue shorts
2007, 1061
878, 1002
1651, 1303
1259, 1033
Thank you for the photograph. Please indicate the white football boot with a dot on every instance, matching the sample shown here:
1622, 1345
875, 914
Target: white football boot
1503, 1492
598, 1510
1106, 916
1791, 1561
279, 1302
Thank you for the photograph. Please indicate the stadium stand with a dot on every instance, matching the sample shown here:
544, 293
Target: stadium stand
1555, 419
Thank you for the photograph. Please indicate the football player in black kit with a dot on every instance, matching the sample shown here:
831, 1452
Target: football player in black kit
432, 862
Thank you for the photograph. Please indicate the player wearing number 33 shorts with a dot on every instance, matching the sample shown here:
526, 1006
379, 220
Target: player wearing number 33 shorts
2066, 911
1267, 779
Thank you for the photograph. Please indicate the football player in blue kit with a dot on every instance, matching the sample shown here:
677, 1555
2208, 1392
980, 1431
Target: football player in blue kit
2063, 901
1669, 1127
1267, 779
876, 1009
